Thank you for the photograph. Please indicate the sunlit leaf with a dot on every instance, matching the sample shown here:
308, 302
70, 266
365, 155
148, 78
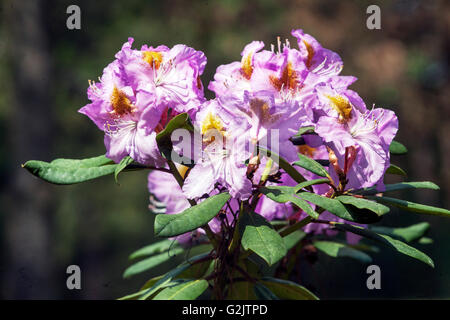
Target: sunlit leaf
188, 290
394, 244
337, 208
360, 203
151, 262
412, 206
122, 165
397, 148
393, 169
408, 234
397, 187
340, 250
311, 165
153, 248
169, 225
288, 290
259, 237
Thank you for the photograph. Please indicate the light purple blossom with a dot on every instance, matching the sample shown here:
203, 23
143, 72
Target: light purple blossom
224, 152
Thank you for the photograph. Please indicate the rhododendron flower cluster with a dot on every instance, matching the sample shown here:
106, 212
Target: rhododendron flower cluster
265, 174
261, 101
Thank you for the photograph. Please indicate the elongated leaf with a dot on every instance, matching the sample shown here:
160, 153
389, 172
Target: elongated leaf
259, 237
360, 203
153, 248
70, 171
164, 139
293, 238
241, 290
397, 148
393, 169
277, 194
264, 293
288, 290
82, 163
148, 284
408, 234
122, 165
307, 129
398, 186
283, 194
167, 278
394, 244
169, 225
188, 290
425, 240
286, 166
311, 165
340, 250
151, 262
339, 209
412, 206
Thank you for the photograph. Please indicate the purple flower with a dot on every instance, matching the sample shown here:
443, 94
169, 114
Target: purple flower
370, 133
131, 101
127, 116
317, 59
172, 74
223, 154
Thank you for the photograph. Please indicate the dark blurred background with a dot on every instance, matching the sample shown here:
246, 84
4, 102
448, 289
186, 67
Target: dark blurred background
44, 69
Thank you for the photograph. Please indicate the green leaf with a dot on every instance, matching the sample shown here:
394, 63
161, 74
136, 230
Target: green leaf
425, 240
151, 262
264, 293
307, 129
397, 148
311, 165
242, 290
339, 209
121, 166
167, 278
293, 238
408, 234
398, 186
164, 139
284, 194
148, 284
153, 248
288, 290
286, 166
170, 225
393, 169
70, 171
360, 203
259, 237
394, 244
339, 250
188, 290
412, 206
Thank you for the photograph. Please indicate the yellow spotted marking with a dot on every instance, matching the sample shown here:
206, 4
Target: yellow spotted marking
153, 58
343, 107
246, 67
120, 102
287, 80
311, 53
